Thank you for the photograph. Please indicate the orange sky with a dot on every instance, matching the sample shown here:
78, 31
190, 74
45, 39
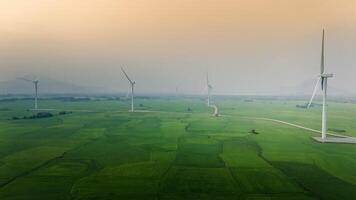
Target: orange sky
145, 32
93, 20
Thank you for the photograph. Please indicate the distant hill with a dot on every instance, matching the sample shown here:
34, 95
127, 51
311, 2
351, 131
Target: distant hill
46, 86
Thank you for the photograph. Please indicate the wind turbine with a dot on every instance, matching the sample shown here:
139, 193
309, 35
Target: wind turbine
177, 90
323, 77
35, 82
132, 83
210, 88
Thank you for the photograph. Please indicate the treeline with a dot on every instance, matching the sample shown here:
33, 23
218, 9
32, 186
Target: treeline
306, 105
41, 115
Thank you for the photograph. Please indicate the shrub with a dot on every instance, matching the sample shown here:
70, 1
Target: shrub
64, 113
15, 118
39, 115
43, 115
253, 131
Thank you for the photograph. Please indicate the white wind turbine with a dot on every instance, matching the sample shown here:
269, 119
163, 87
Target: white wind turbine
177, 90
210, 88
132, 84
323, 77
35, 83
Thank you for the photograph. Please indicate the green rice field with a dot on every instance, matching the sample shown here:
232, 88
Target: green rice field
98, 150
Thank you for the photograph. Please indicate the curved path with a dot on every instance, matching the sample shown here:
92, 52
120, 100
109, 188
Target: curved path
297, 126
216, 110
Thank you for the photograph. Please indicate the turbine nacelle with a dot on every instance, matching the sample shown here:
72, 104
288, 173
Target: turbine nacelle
326, 75
323, 77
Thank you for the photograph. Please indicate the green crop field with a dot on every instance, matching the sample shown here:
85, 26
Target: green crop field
98, 150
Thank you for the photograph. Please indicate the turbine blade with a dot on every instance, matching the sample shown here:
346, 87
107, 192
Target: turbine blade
25, 79
322, 54
314, 92
207, 78
322, 83
128, 78
208, 82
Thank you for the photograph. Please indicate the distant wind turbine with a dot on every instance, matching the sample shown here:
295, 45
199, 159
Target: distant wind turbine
35, 81
323, 77
177, 90
210, 88
209, 103
132, 84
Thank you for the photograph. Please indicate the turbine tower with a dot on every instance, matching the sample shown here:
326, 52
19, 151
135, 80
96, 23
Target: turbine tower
132, 84
210, 88
177, 90
35, 83
323, 77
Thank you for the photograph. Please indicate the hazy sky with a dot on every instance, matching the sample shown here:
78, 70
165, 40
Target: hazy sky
247, 46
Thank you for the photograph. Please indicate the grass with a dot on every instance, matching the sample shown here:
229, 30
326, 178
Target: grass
97, 152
